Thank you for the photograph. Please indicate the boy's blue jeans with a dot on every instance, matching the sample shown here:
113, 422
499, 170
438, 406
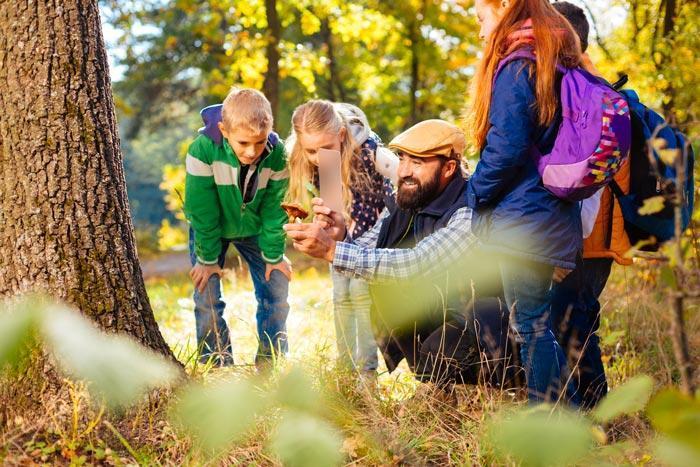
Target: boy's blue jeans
212, 332
353, 329
576, 317
526, 286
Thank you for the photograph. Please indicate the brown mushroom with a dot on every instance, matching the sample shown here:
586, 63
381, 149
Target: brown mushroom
295, 212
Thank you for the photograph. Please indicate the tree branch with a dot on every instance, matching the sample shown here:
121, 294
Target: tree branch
655, 35
596, 31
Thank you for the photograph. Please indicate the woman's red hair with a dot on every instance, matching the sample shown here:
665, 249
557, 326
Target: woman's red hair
554, 42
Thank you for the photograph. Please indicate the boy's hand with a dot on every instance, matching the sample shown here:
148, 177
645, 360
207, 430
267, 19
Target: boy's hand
201, 273
332, 222
312, 239
284, 266
560, 274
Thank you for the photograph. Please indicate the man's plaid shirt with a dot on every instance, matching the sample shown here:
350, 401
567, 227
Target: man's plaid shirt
361, 257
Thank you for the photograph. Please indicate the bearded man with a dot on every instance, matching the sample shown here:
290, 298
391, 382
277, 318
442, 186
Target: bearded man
424, 267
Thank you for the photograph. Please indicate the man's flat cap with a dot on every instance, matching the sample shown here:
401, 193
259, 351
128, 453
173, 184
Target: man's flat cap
431, 138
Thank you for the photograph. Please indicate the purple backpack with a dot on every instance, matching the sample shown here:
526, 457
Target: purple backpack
593, 140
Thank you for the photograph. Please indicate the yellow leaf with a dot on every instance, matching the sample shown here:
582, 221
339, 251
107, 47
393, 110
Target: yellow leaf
171, 42
669, 156
652, 205
350, 445
310, 24
659, 144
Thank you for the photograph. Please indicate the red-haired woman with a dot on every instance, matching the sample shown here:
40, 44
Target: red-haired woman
532, 231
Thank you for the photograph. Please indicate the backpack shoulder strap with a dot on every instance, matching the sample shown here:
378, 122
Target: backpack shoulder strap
523, 52
617, 85
630, 94
617, 191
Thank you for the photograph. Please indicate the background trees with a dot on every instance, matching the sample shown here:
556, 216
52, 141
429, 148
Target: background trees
400, 61
657, 46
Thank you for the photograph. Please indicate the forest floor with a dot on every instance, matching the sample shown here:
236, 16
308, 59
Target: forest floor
417, 425
398, 422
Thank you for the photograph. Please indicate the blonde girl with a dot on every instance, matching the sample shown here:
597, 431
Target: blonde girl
321, 124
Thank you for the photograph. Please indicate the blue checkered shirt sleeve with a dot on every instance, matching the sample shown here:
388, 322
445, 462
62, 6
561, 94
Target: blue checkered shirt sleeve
434, 253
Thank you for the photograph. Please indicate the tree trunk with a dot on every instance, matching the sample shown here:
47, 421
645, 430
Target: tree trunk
414, 35
663, 35
334, 81
326, 38
667, 34
66, 228
272, 75
669, 17
596, 32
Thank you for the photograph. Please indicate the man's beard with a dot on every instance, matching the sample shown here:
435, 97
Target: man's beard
418, 195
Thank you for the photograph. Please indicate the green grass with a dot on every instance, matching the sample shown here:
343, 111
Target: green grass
310, 322
310, 326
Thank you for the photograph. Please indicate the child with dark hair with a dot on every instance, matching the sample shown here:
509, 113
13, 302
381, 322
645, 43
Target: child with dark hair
575, 300
577, 18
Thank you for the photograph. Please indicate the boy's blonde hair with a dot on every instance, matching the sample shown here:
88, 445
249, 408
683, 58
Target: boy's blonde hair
247, 108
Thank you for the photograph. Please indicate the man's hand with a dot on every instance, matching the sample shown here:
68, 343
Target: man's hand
201, 273
560, 274
312, 239
332, 222
284, 266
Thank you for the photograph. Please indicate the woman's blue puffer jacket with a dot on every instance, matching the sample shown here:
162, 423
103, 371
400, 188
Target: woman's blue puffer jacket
513, 212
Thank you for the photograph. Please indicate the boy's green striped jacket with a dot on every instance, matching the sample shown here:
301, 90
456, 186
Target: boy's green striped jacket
214, 203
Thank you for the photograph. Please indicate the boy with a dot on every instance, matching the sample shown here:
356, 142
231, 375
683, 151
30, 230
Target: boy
575, 305
236, 181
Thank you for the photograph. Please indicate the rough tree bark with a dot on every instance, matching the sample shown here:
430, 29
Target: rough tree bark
272, 75
66, 228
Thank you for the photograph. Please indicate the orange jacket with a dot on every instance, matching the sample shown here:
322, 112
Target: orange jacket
604, 241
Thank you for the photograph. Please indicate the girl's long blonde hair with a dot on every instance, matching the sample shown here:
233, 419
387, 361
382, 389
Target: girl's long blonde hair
554, 42
321, 116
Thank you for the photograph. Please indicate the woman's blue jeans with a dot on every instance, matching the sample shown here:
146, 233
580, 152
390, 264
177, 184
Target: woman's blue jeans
527, 290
